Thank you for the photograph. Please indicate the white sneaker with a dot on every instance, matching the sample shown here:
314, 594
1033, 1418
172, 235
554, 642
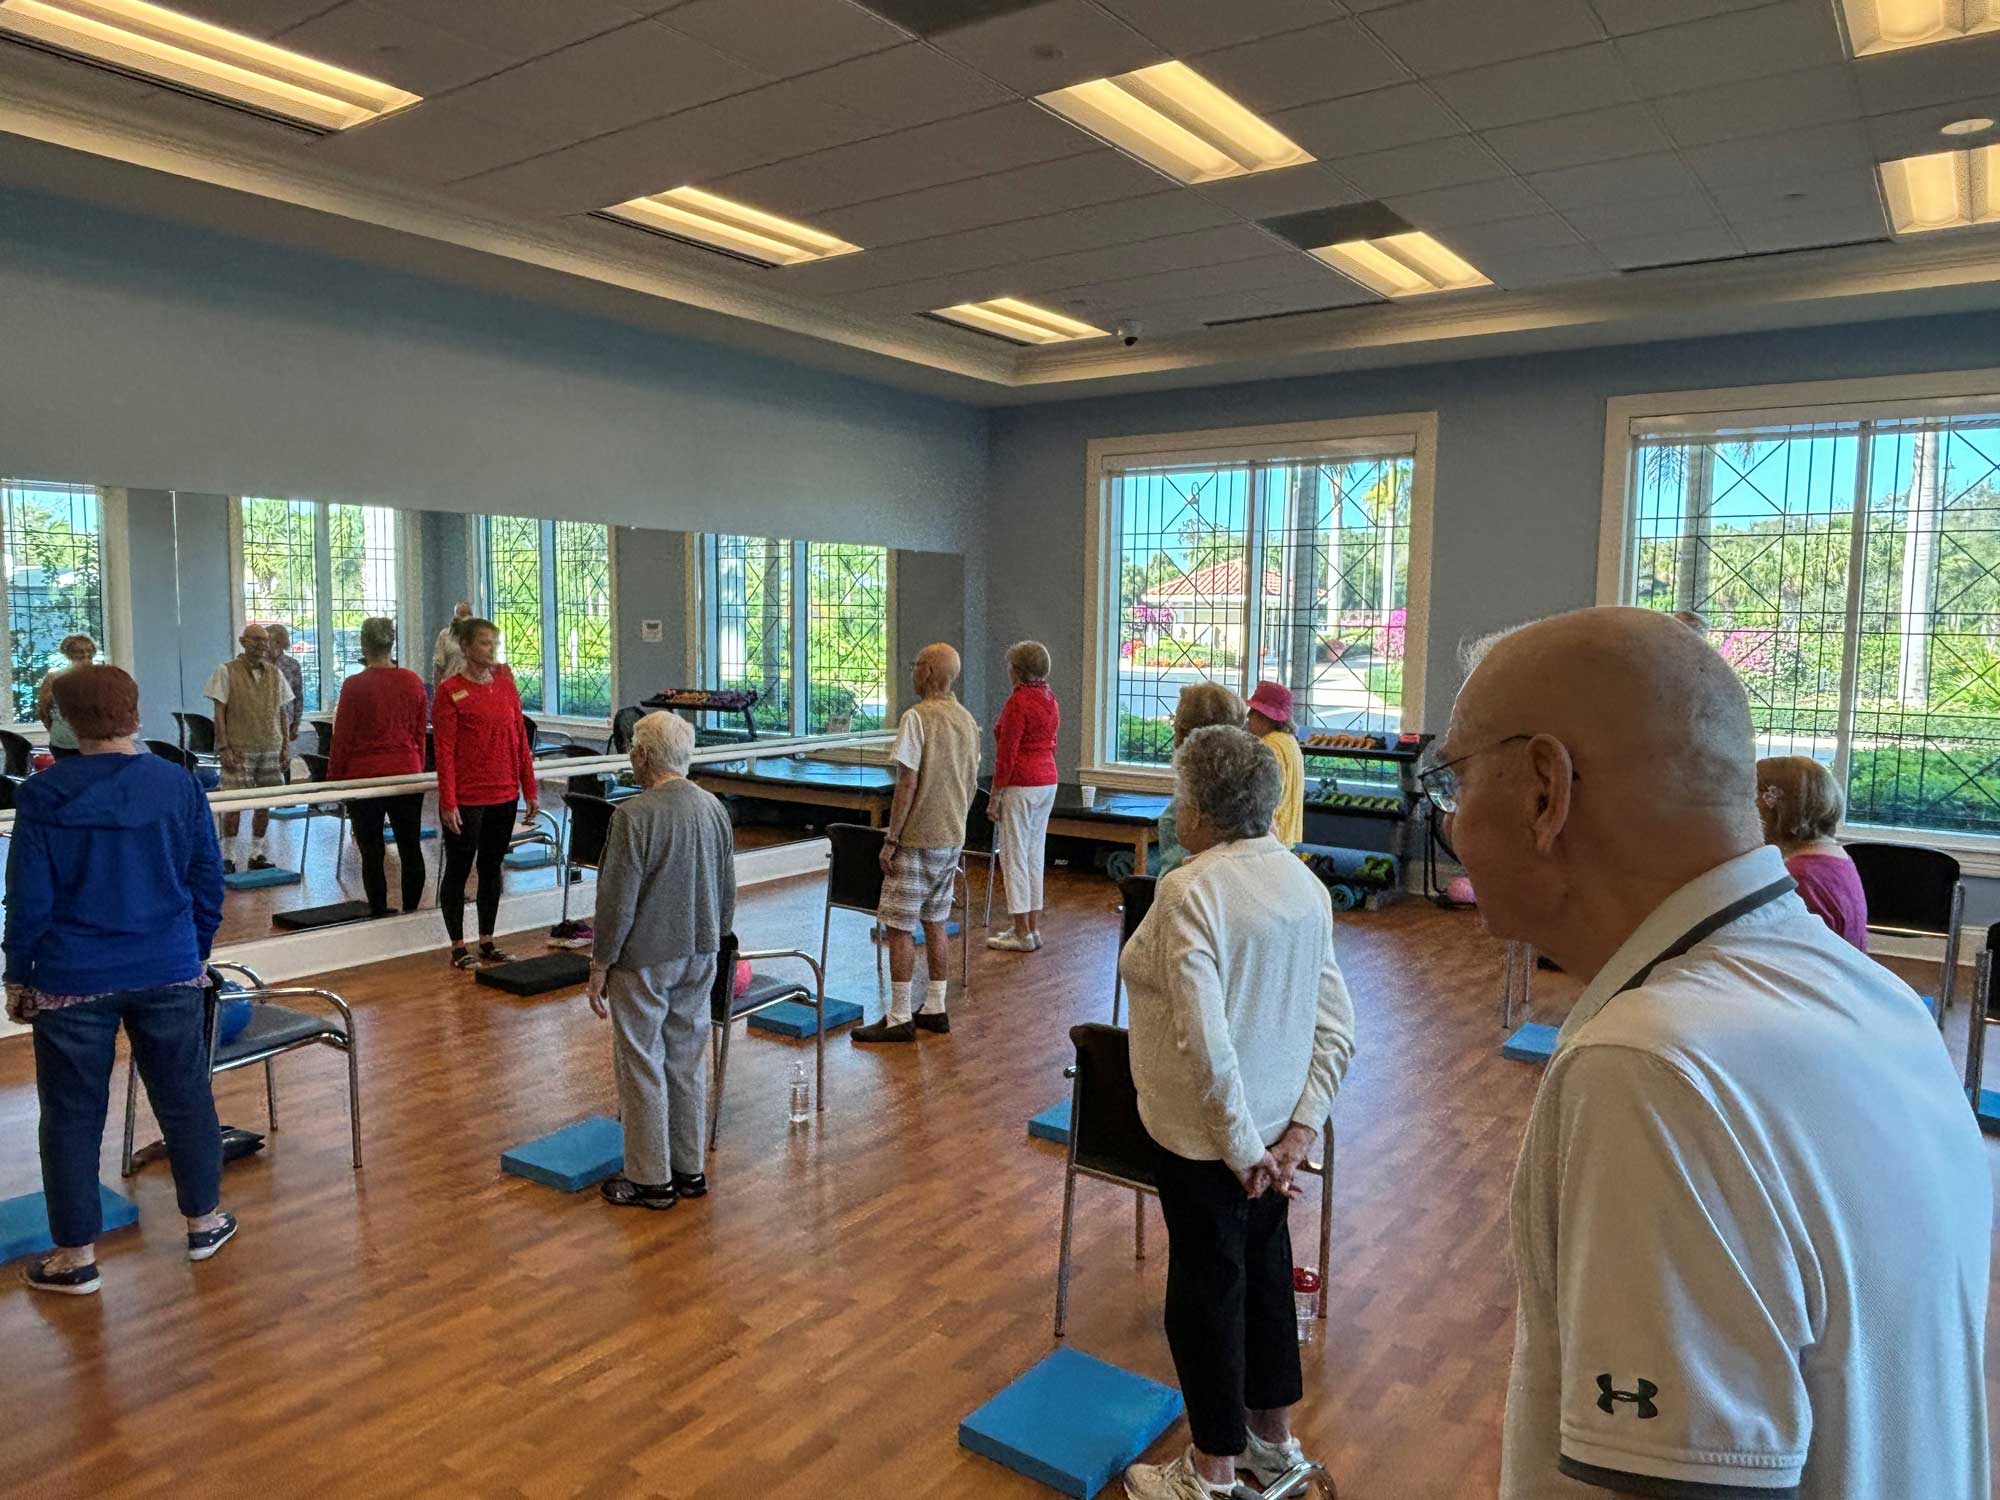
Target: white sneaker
1267, 1461
1011, 941
1171, 1481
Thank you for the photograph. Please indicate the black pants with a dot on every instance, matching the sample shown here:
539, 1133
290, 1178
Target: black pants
406, 817
1231, 1322
482, 836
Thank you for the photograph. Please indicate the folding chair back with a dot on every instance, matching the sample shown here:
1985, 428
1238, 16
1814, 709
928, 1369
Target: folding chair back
1135, 898
19, 753
589, 828
197, 732
168, 750
1914, 890
1106, 1136
854, 877
621, 728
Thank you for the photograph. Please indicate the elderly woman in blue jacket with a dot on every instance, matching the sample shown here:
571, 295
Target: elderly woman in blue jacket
114, 892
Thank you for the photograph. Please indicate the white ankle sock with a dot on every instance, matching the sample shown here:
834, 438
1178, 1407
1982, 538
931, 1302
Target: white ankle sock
899, 1001
934, 992
256, 847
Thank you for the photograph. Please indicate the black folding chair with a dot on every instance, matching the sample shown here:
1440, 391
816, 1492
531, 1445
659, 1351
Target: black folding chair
982, 841
317, 767
322, 736
1135, 893
621, 728
1108, 1141
274, 1029
555, 742
197, 733
854, 883
168, 750
1914, 891
17, 753
587, 825
726, 1008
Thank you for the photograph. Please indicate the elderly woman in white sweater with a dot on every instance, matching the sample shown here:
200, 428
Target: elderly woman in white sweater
1241, 1032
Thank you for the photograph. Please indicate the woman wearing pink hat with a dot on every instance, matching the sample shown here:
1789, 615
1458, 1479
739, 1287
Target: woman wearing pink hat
1270, 719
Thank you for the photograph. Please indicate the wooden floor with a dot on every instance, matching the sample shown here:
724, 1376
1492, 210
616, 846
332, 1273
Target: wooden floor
817, 1326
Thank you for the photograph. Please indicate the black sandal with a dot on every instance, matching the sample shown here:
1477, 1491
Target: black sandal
488, 954
690, 1184
623, 1192
461, 959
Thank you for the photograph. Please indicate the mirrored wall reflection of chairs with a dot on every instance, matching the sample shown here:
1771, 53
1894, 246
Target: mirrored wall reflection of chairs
982, 842
726, 1008
1108, 1141
854, 883
197, 732
276, 1027
554, 742
209, 777
317, 767
621, 729
1914, 891
17, 753
322, 736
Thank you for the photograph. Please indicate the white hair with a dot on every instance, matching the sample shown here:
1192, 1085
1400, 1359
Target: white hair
1472, 652
664, 741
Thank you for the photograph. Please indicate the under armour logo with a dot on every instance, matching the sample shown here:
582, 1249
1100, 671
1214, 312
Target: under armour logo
1608, 1399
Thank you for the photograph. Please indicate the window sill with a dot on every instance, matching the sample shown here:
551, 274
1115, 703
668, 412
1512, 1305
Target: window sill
1128, 778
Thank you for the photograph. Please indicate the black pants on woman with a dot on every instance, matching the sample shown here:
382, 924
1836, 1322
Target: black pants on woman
1231, 1321
406, 817
482, 836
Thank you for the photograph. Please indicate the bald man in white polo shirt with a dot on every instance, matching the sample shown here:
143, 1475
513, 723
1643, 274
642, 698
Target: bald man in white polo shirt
1752, 1214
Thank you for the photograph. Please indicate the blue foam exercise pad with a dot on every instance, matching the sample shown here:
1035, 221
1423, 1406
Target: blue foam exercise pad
917, 937
572, 1158
534, 857
252, 880
1533, 1043
288, 814
1072, 1422
794, 1018
24, 1221
1987, 1107
1930, 1003
1052, 1124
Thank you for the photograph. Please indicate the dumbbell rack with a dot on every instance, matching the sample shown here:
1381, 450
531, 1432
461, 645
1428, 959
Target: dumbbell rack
1353, 823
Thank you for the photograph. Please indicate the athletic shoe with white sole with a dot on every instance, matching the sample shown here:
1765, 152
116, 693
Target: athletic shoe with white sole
1169, 1481
1269, 1460
77, 1281
1011, 941
201, 1246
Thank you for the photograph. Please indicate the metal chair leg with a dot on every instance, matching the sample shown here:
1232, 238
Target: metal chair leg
126, 1166
354, 1099
819, 1047
721, 1071
271, 1091
1062, 1256
1138, 1225
1326, 1221
1117, 995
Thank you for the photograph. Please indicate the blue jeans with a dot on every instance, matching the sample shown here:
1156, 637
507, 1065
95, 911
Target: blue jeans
75, 1048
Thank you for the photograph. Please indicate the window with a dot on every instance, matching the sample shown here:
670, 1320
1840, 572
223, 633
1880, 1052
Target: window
53, 541
1847, 562
547, 585
757, 624
319, 569
1288, 560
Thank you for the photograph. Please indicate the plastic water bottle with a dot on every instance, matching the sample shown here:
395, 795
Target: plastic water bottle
1305, 1301
801, 1110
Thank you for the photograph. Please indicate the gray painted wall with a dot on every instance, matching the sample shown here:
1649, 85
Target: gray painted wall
930, 606
652, 584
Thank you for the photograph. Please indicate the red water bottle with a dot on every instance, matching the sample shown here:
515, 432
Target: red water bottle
1305, 1300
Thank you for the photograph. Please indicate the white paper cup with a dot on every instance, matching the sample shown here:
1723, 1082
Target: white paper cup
1089, 795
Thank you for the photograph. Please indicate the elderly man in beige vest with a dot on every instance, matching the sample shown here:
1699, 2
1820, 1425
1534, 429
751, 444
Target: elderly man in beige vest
252, 702
937, 769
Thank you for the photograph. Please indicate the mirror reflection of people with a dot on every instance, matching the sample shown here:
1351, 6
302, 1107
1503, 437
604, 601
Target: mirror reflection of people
114, 892
378, 730
1269, 717
936, 755
1753, 1215
1024, 790
1242, 1030
288, 664
483, 764
1800, 805
77, 651
252, 703
448, 655
1200, 705
666, 895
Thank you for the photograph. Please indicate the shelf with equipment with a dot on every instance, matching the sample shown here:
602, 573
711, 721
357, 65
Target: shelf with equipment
1359, 836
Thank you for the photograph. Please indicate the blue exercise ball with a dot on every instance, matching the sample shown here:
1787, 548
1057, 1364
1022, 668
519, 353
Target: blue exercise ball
232, 1018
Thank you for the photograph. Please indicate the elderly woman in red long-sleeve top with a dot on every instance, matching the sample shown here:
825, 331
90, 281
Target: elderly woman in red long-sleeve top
1024, 789
483, 761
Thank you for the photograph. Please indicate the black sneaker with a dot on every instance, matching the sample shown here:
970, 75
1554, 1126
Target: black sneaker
623, 1192
691, 1184
229, 867
939, 1022
77, 1281
202, 1246
883, 1031
259, 862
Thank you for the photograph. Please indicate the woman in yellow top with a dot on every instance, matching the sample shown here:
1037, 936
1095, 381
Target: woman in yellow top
1270, 719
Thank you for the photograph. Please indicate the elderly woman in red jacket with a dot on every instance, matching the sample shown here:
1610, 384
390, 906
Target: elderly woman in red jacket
1024, 789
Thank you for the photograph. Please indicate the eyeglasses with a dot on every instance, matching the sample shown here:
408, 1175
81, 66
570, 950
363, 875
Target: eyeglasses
1439, 779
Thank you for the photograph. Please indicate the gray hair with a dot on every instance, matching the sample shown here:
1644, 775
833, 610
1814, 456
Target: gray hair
378, 635
1231, 780
1030, 659
664, 741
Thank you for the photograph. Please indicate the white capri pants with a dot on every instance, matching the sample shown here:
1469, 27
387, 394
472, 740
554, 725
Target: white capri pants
1024, 837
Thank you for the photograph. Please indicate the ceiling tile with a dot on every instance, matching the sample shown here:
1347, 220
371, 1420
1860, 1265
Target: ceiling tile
1287, 269
781, 38
1207, 247
1444, 36
1601, 221
1543, 266
1418, 168
1779, 160
1913, 132
1509, 236
1917, 76
1845, 192
1671, 248
521, 28
383, 43
1022, 193
635, 73
258, 18
1302, 67
1623, 16
1050, 46
1191, 315
1787, 101
1572, 140
1659, 175
1846, 226
1288, 190
443, 140
1759, 43
1536, 88
1368, 122
905, 86
1185, 27
1469, 203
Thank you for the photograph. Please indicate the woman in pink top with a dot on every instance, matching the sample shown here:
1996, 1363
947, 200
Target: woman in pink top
1801, 806
1024, 789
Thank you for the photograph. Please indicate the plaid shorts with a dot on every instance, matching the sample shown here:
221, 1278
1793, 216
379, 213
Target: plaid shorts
260, 768
918, 888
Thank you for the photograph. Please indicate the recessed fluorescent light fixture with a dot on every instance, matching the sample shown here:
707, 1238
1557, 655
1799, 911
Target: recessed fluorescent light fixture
688, 213
1172, 118
1891, 25
1022, 322
1402, 265
134, 37
1977, 125
1945, 190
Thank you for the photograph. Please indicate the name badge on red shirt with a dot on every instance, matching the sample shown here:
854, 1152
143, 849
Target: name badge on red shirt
460, 696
